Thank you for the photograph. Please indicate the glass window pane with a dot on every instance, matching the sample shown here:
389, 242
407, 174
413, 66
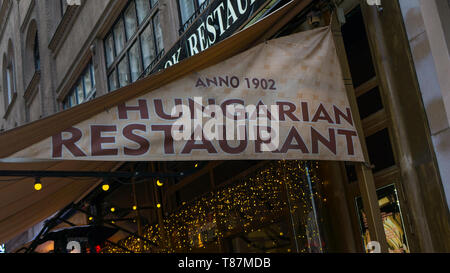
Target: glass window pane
369, 103
135, 62
200, 2
88, 82
119, 36
148, 46
112, 81
187, 8
380, 150
158, 33
91, 67
80, 92
357, 48
142, 7
124, 78
73, 98
130, 20
66, 104
63, 7
9, 84
109, 48
392, 218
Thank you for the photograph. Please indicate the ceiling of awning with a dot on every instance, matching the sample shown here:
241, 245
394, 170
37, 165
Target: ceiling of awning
21, 206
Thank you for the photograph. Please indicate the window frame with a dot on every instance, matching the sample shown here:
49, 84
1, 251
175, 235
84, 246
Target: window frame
185, 25
130, 42
63, 7
10, 82
67, 103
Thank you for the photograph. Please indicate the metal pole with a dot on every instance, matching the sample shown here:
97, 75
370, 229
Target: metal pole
313, 204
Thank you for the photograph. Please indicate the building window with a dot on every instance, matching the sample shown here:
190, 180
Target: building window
84, 89
9, 77
134, 43
36, 55
63, 7
189, 9
10, 83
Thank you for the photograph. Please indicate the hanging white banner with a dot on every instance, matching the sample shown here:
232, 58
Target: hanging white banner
283, 99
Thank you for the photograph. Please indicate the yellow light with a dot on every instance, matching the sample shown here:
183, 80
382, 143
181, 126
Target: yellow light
196, 165
38, 186
159, 183
105, 187
158, 205
91, 218
113, 209
134, 207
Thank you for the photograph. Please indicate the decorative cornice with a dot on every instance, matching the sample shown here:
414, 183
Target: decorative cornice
10, 106
27, 16
5, 10
31, 90
63, 28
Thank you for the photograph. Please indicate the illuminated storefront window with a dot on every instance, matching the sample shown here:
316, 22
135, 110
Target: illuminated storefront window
269, 211
392, 220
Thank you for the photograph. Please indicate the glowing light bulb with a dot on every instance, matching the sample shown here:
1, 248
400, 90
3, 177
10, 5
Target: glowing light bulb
105, 187
159, 183
38, 186
158, 206
134, 207
113, 209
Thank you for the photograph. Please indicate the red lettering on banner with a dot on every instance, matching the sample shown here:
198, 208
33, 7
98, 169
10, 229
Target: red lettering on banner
338, 114
142, 108
144, 144
322, 114
97, 140
204, 145
305, 111
233, 150
289, 112
288, 145
316, 137
200, 83
58, 142
259, 141
224, 105
159, 109
168, 140
349, 137
264, 113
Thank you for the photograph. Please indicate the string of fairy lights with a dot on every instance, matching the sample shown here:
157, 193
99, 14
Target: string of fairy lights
279, 188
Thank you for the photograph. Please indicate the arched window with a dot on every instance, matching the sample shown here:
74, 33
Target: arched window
8, 79
31, 59
37, 58
10, 82
9, 75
